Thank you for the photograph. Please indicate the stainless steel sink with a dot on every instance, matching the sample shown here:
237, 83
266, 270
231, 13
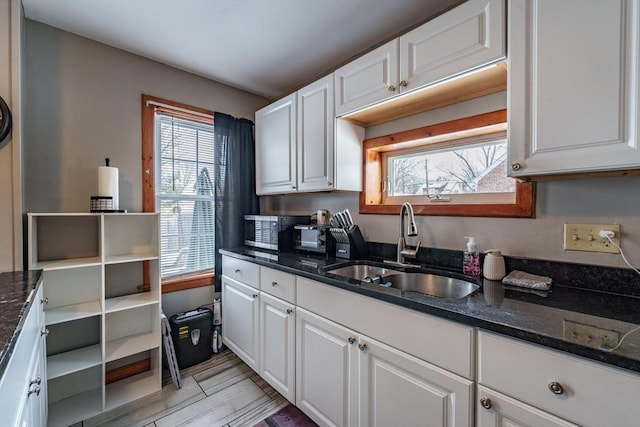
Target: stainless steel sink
431, 284
425, 283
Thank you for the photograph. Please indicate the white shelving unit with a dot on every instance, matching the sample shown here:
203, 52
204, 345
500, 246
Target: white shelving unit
101, 282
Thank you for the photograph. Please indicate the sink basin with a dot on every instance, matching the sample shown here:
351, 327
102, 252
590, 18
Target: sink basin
425, 283
431, 284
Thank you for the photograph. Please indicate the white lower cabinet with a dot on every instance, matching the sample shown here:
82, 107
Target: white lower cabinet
348, 379
240, 311
277, 344
326, 370
498, 410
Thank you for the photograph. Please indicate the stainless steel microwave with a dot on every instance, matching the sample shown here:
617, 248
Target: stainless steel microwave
273, 232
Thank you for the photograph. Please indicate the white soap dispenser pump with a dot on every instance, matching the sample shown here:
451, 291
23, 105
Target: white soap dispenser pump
493, 268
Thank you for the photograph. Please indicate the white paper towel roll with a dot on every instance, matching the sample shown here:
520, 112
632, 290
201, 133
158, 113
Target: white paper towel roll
108, 183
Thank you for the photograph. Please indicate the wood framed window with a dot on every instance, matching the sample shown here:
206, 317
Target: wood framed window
455, 168
177, 173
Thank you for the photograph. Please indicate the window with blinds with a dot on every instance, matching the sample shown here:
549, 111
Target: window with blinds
184, 194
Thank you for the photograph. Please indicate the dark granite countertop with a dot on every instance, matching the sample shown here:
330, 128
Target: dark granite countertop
17, 290
537, 317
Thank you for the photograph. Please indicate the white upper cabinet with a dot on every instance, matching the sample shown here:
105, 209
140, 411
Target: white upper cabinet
369, 79
301, 146
467, 37
462, 39
316, 136
573, 86
276, 147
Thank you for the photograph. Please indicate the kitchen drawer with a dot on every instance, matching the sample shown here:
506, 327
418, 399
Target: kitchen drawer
242, 271
593, 394
279, 284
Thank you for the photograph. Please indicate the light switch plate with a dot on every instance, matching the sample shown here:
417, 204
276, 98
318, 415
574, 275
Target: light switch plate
586, 237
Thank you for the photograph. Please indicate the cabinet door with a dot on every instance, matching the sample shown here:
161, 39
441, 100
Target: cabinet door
574, 86
276, 147
466, 37
316, 135
240, 311
399, 389
277, 345
326, 370
498, 410
369, 79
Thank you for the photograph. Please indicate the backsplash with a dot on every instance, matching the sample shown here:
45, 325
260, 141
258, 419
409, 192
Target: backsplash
603, 279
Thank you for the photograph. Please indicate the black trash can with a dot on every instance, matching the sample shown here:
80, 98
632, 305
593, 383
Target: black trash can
191, 333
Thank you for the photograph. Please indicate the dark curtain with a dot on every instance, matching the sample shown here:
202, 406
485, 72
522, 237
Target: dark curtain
234, 182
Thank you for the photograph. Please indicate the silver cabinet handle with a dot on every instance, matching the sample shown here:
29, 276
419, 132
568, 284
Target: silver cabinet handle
293, 187
237, 270
45, 300
289, 311
45, 332
362, 347
37, 381
486, 403
35, 390
255, 295
516, 167
392, 88
403, 83
274, 283
351, 340
329, 183
556, 387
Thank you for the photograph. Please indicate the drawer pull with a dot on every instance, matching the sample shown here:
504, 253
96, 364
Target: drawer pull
274, 283
486, 403
556, 387
362, 347
45, 332
351, 340
237, 270
255, 295
289, 311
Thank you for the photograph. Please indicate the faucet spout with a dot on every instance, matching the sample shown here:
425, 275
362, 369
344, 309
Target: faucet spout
412, 230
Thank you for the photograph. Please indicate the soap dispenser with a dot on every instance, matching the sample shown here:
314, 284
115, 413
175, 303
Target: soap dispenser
471, 258
493, 268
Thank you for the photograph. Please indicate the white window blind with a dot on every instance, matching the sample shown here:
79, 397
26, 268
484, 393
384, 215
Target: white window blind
184, 194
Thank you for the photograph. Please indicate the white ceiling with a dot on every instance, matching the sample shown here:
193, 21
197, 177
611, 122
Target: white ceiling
267, 47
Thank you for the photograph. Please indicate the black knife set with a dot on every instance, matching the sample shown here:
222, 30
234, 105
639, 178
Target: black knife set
350, 243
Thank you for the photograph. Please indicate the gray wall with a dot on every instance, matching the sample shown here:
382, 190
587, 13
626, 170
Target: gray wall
82, 104
592, 200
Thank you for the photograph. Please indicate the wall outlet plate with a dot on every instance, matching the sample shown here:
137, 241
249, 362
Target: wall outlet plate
588, 335
586, 237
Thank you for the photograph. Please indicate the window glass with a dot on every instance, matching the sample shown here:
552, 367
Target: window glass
184, 194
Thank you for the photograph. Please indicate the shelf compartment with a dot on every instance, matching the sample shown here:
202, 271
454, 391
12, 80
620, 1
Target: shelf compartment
131, 301
72, 312
130, 237
129, 345
72, 361
75, 408
63, 241
72, 286
75, 397
126, 390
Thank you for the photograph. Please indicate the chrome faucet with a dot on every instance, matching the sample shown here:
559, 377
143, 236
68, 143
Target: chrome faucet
412, 230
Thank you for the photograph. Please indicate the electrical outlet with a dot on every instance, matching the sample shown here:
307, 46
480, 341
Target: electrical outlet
588, 335
586, 237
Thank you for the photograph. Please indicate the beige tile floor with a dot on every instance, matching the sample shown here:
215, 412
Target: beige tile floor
221, 392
